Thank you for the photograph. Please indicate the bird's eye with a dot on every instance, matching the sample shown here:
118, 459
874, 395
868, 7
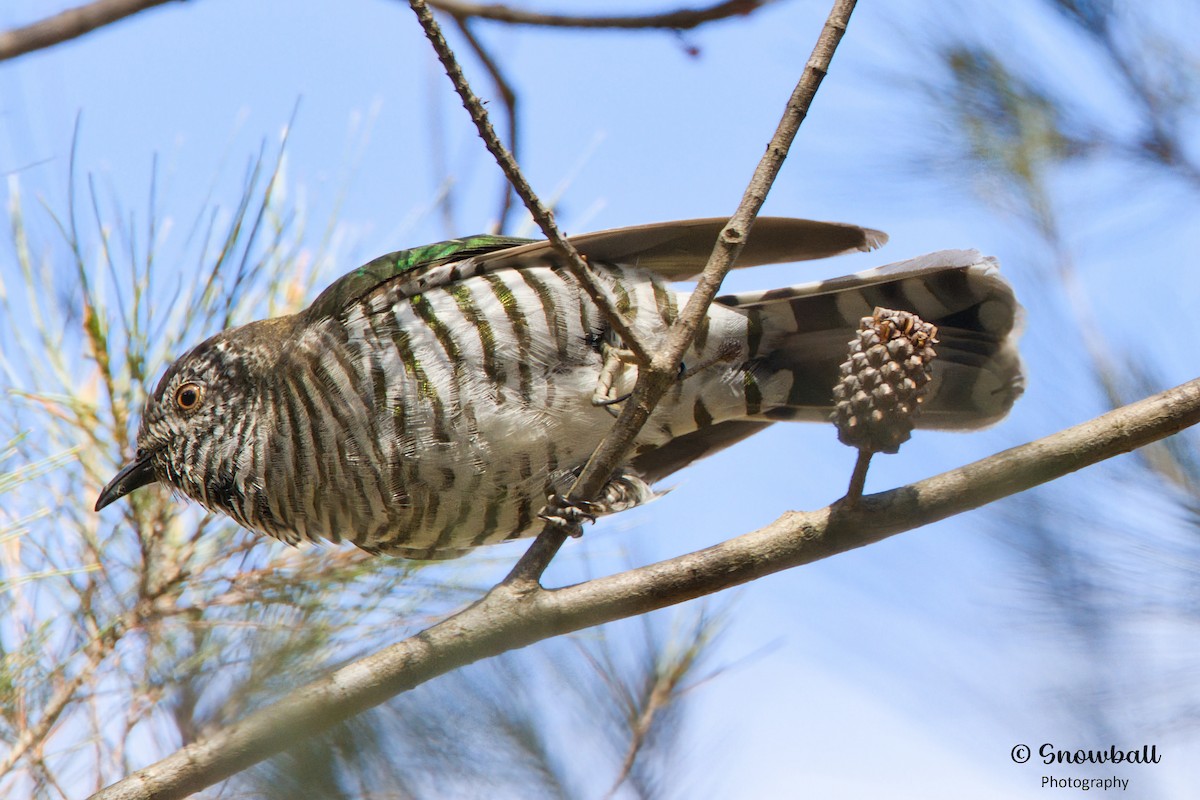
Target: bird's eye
188, 396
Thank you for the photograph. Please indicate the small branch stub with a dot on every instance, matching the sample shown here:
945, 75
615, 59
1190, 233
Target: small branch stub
882, 381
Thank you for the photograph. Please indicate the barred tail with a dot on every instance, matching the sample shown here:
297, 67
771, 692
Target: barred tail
977, 375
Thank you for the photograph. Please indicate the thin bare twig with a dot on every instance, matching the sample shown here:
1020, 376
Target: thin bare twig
69, 24
662, 371
541, 215
509, 97
510, 617
681, 19
76, 22
858, 479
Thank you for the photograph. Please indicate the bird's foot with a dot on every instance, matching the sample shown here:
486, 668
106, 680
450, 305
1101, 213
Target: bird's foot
625, 489
569, 515
612, 374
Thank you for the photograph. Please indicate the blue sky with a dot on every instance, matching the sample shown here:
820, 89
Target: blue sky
907, 669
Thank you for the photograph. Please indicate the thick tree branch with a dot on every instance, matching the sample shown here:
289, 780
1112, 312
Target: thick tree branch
69, 24
513, 616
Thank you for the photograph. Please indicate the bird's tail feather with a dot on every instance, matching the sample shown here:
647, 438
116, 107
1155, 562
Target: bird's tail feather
976, 376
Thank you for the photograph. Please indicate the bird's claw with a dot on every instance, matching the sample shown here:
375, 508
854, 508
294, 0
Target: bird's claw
616, 361
568, 514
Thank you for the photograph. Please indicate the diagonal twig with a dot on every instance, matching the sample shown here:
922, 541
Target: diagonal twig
661, 372
542, 215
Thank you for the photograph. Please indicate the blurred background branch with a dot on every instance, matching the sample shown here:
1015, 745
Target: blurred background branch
84, 19
69, 24
1094, 178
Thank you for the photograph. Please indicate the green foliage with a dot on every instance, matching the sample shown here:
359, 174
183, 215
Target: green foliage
1008, 123
121, 627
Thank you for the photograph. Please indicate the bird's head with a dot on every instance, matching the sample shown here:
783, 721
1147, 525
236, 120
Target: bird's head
193, 422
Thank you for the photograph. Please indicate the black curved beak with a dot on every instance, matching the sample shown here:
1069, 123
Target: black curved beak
134, 475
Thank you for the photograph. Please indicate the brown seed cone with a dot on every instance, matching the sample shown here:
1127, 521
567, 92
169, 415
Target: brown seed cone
882, 380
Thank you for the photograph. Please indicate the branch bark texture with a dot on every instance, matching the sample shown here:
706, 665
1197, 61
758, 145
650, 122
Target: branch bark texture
69, 24
515, 615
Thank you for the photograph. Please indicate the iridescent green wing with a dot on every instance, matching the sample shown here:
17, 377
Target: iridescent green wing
674, 250
678, 251
351, 286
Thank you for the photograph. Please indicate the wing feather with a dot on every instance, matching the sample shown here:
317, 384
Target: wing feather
677, 251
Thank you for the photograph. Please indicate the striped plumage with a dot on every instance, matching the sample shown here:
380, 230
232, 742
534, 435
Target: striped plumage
430, 401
